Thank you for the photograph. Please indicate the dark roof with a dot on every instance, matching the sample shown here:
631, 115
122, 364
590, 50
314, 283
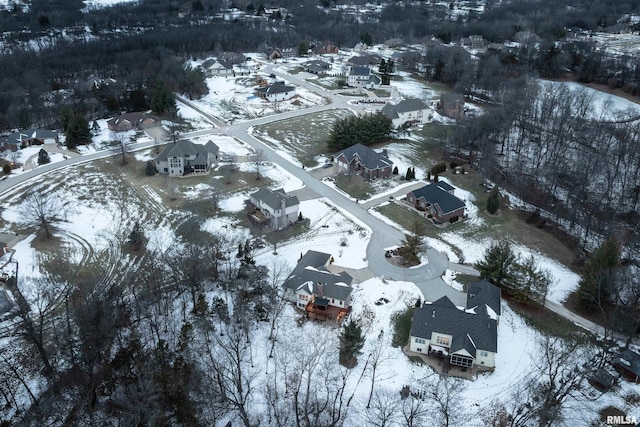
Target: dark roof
631, 360
404, 106
364, 60
274, 198
433, 194
448, 100
359, 71
469, 330
446, 186
368, 158
338, 290
18, 137
311, 268
484, 293
184, 148
275, 88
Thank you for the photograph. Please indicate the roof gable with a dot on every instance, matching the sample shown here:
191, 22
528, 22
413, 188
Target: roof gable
434, 194
274, 198
311, 268
367, 157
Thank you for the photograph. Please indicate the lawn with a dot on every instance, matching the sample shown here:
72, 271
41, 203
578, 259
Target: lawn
354, 185
304, 137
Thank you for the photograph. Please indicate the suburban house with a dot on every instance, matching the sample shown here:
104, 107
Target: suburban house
437, 199
408, 112
465, 337
316, 66
276, 92
26, 138
129, 121
628, 364
185, 158
363, 77
216, 67
322, 295
364, 161
452, 105
364, 61
274, 208
475, 43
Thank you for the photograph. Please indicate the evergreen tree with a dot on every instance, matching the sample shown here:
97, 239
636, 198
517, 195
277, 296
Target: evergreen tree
162, 100
364, 129
411, 247
136, 237
150, 169
303, 48
240, 253
351, 342
407, 175
598, 279
498, 262
395, 170
78, 132
43, 157
493, 202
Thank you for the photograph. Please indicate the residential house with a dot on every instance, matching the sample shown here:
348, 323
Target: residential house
26, 138
393, 43
324, 48
474, 43
364, 161
186, 158
130, 121
408, 112
316, 66
216, 67
274, 208
364, 61
276, 92
277, 53
452, 105
363, 77
628, 364
463, 336
323, 295
438, 200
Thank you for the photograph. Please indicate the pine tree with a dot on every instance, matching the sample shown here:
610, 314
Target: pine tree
395, 170
43, 157
351, 342
411, 247
407, 176
162, 99
150, 169
78, 132
598, 280
240, 253
493, 202
498, 262
136, 237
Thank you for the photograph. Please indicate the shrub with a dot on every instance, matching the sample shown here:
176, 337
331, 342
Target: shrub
453, 165
6, 168
150, 169
402, 327
437, 169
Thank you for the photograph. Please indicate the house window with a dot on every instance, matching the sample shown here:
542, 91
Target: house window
333, 301
443, 341
420, 341
166, 170
484, 354
303, 297
461, 361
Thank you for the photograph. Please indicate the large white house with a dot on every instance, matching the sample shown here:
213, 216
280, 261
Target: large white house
465, 337
361, 76
275, 208
408, 112
185, 158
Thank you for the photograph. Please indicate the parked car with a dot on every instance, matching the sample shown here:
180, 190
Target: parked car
226, 159
327, 165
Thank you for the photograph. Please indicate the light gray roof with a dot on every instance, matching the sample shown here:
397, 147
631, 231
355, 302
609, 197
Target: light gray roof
368, 158
340, 289
469, 331
274, 198
18, 137
184, 148
404, 106
311, 268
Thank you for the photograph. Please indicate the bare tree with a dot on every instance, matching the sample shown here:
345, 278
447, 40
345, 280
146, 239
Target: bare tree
378, 358
41, 209
121, 143
444, 396
259, 163
414, 412
383, 410
278, 271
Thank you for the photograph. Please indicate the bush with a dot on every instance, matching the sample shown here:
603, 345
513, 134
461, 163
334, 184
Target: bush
438, 168
6, 168
150, 169
453, 165
402, 327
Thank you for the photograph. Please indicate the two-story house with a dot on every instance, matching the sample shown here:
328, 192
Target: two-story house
361, 76
184, 158
408, 112
322, 295
274, 208
464, 336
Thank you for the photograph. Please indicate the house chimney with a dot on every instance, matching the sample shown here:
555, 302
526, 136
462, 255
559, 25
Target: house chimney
434, 313
319, 289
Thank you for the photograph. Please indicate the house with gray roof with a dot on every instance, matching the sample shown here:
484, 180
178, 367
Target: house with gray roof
28, 137
186, 158
274, 208
362, 76
628, 364
464, 336
408, 112
323, 295
130, 121
276, 92
364, 161
316, 66
437, 200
